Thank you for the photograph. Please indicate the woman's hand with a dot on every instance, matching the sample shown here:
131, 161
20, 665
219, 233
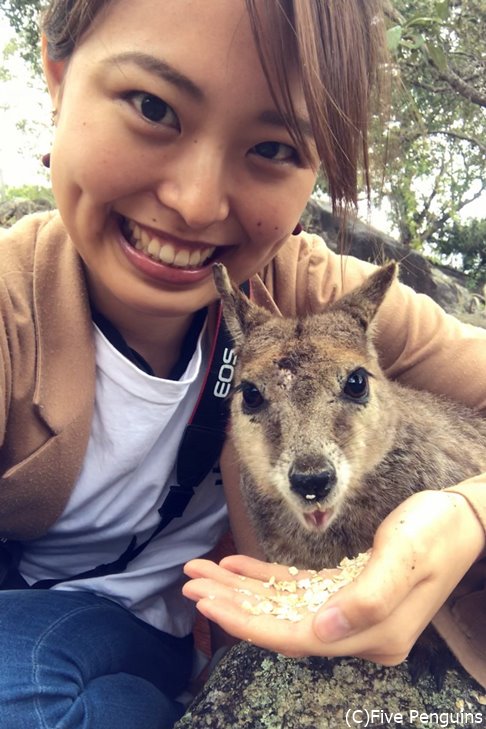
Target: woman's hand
420, 552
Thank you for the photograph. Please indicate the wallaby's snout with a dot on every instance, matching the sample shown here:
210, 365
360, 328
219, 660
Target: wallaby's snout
312, 483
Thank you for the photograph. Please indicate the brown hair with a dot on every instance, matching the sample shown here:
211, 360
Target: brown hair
336, 46
64, 22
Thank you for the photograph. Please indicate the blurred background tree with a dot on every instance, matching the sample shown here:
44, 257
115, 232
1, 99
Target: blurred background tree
23, 16
434, 140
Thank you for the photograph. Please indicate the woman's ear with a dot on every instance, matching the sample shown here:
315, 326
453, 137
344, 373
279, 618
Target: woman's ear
53, 72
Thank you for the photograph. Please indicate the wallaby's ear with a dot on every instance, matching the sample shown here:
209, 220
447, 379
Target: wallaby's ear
363, 303
240, 314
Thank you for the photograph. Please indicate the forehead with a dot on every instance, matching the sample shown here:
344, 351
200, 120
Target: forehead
183, 18
211, 39
285, 351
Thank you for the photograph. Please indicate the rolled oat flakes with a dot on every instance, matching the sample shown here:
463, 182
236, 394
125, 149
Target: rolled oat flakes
291, 599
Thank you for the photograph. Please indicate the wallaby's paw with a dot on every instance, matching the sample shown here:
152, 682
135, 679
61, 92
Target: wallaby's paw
430, 656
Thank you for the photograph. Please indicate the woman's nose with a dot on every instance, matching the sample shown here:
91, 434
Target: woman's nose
194, 186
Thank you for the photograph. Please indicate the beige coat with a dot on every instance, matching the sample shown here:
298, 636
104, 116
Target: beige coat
48, 381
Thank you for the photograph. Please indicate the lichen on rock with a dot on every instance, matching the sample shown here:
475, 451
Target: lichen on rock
252, 688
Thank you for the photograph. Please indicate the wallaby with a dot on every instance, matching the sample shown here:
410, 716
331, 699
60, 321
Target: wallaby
328, 446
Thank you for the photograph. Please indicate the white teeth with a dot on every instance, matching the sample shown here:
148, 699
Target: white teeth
195, 258
144, 238
205, 255
166, 253
153, 248
136, 234
182, 259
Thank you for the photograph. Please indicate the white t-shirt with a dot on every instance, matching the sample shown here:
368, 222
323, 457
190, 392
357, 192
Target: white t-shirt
129, 466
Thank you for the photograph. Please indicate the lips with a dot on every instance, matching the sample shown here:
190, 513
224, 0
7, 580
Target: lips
162, 250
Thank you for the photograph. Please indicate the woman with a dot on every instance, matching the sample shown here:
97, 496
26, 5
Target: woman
186, 132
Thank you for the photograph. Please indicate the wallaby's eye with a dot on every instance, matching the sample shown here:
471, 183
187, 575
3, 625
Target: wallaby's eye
356, 386
252, 397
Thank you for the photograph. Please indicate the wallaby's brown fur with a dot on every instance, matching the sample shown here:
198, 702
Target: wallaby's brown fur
328, 445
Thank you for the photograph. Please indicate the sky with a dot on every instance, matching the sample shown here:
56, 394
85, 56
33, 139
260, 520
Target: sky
25, 99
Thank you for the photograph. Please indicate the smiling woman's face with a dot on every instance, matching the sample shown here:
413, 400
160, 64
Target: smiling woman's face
169, 154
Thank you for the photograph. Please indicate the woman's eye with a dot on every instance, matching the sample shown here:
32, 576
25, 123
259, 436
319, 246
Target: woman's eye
276, 151
154, 109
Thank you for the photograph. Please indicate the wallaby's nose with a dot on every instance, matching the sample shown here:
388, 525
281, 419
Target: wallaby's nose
312, 485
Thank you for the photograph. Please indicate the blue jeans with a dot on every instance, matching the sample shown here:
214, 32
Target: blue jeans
73, 660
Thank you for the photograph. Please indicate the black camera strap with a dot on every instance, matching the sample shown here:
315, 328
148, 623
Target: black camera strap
199, 449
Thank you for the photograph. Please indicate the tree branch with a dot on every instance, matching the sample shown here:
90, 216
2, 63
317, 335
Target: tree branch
430, 87
420, 217
458, 84
449, 133
436, 225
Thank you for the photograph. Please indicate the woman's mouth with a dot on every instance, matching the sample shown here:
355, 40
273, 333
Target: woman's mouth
162, 250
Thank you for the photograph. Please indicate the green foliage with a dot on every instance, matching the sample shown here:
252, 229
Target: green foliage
464, 246
24, 200
23, 16
30, 192
435, 143
8, 51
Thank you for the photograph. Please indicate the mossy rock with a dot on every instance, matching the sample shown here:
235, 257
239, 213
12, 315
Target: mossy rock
13, 210
255, 689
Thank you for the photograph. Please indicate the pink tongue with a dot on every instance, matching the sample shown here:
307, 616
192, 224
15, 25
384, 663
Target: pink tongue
317, 518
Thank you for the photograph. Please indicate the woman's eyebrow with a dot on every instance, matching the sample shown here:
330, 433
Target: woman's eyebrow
164, 70
159, 67
273, 118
